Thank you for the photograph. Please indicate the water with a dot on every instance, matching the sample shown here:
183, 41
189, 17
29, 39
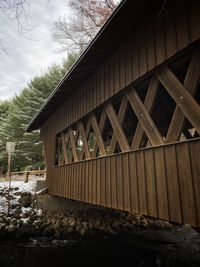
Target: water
105, 252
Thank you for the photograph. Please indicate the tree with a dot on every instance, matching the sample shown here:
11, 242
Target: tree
76, 32
17, 11
16, 114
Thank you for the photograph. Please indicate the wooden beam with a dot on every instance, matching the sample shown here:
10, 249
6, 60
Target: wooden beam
191, 83
187, 134
84, 139
64, 146
97, 133
149, 104
73, 144
121, 115
117, 129
143, 116
87, 131
187, 104
101, 128
76, 137
58, 151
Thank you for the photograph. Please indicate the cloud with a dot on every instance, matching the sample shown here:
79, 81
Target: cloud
31, 54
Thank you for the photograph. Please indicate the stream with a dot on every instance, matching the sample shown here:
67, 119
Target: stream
104, 252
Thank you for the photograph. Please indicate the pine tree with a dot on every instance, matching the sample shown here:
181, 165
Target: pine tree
16, 114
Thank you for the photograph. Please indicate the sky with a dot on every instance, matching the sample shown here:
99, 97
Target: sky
29, 53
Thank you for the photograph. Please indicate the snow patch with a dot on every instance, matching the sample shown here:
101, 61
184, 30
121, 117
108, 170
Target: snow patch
16, 187
22, 187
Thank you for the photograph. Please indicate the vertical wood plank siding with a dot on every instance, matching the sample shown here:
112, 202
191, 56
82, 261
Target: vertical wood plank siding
150, 45
169, 185
160, 182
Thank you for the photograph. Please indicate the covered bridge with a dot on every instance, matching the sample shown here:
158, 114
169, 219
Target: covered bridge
122, 129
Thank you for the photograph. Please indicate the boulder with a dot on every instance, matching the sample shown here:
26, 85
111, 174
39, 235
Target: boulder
48, 231
160, 224
37, 223
13, 222
20, 223
11, 228
25, 201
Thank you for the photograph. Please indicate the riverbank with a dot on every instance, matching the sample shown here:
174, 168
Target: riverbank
97, 226
20, 217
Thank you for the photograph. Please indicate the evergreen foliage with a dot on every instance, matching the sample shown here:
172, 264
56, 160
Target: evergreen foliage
16, 114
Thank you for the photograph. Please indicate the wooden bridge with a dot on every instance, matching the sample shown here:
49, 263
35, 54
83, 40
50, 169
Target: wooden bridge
122, 129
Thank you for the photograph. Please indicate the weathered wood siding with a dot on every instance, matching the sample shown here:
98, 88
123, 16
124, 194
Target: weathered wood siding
168, 186
150, 45
162, 182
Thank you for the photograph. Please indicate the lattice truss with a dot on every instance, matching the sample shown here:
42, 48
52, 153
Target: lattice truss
164, 108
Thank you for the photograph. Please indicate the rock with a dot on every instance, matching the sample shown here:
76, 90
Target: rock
25, 232
48, 232
65, 221
78, 222
79, 228
33, 216
27, 213
25, 201
25, 194
2, 220
83, 231
137, 218
57, 235
20, 223
97, 223
70, 229
72, 222
2, 193
37, 223
13, 222
10, 197
60, 243
91, 225
58, 224
85, 224
29, 221
11, 228
64, 233
144, 223
8, 219
18, 210
17, 216
2, 226
14, 205
159, 224
12, 189
116, 224
107, 229
43, 225
24, 216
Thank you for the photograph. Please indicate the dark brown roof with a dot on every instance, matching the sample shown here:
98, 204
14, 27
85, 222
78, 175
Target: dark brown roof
124, 19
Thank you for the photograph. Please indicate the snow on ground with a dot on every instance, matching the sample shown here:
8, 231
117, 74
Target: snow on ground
17, 187
22, 187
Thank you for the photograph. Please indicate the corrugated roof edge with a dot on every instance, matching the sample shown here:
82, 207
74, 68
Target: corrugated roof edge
28, 129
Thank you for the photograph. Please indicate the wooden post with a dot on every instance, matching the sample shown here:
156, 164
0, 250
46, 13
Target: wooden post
9, 168
9, 181
26, 177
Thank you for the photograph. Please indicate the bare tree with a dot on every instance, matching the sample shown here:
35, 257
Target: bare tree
16, 10
75, 32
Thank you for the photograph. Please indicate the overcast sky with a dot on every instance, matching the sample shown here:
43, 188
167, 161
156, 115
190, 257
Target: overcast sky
31, 55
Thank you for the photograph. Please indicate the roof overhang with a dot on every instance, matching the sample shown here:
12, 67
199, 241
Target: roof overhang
123, 20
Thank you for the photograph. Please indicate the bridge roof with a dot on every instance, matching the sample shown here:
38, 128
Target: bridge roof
124, 19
